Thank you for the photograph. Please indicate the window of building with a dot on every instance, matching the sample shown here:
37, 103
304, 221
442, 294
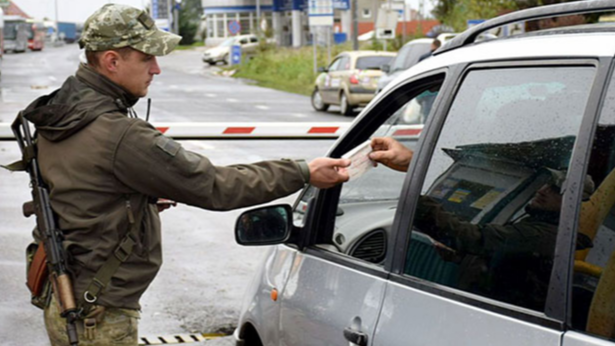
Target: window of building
367, 13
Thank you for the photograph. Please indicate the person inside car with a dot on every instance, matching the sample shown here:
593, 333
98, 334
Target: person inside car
523, 248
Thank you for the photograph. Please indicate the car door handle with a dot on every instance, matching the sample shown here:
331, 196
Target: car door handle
356, 337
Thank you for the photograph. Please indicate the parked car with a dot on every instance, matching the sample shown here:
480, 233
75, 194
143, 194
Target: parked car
222, 52
444, 254
407, 56
350, 80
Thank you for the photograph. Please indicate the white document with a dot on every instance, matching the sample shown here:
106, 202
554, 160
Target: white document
360, 161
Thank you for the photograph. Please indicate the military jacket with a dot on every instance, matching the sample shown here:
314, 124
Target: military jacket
97, 161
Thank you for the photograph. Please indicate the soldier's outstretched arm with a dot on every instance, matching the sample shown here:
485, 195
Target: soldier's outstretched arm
326, 172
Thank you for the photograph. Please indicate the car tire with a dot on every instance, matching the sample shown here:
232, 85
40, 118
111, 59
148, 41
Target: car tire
317, 102
226, 59
211, 63
345, 107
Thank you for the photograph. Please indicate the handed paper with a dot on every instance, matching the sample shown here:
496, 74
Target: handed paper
360, 161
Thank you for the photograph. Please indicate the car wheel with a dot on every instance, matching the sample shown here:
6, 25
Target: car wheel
317, 102
211, 63
226, 59
345, 108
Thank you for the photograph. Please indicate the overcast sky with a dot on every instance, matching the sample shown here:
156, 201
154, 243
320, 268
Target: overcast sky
69, 10
79, 10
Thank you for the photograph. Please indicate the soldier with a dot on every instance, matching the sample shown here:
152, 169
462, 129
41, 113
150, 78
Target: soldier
106, 169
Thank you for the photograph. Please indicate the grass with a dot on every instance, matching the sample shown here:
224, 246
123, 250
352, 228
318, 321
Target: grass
286, 69
292, 69
190, 46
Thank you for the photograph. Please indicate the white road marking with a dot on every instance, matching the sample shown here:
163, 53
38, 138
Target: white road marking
231, 100
299, 115
52, 78
262, 107
173, 87
210, 95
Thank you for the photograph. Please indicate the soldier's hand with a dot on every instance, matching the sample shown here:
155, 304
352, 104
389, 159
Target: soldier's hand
164, 204
391, 153
326, 172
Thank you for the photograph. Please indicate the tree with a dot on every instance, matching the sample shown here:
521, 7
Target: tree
189, 19
456, 13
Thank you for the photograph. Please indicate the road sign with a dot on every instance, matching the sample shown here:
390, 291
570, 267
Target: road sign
234, 27
320, 12
386, 23
341, 4
235, 55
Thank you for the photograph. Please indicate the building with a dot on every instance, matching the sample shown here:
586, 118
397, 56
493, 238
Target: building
287, 22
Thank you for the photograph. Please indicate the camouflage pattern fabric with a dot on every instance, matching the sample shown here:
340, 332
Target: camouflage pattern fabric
114, 326
116, 26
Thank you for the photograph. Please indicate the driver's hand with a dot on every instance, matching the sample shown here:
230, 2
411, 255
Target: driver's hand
391, 153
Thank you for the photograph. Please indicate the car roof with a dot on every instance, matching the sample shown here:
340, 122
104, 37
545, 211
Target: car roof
360, 53
555, 45
419, 41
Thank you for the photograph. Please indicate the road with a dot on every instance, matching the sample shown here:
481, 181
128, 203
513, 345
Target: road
200, 286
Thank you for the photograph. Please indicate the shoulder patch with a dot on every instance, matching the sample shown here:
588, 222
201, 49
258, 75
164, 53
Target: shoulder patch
168, 145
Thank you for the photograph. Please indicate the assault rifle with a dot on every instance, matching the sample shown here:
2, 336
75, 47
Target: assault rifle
49, 233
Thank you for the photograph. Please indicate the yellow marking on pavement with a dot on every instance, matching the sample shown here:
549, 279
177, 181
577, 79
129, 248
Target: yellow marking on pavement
178, 339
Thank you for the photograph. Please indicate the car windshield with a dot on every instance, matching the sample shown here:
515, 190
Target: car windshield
409, 55
372, 62
227, 43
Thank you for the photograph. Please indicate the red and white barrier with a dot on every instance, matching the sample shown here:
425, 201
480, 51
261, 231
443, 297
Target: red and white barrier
259, 130
217, 131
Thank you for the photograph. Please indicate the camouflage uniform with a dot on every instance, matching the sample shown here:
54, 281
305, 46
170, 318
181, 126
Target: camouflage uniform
106, 170
117, 26
107, 326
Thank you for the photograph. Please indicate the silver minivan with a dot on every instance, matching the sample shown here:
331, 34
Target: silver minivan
502, 230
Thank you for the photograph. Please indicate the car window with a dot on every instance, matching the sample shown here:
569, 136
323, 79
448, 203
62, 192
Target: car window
398, 62
243, 41
372, 62
344, 64
253, 40
335, 64
419, 50
367, 204
593, 290
487, 218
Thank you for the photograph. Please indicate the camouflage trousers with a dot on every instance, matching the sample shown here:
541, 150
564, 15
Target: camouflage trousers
102, 327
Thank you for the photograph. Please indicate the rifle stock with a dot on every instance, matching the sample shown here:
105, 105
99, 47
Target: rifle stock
50, 235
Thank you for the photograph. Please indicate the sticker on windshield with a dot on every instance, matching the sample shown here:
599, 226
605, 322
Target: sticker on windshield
360, 161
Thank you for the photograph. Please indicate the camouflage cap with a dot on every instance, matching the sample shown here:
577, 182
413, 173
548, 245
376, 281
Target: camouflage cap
116, 26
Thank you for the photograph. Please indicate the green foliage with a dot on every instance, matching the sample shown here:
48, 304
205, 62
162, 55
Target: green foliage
287, 69
189, 18
456, 13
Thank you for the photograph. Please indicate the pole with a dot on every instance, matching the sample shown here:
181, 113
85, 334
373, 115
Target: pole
403, 25
355, 25
328, 45
175, 18
258, 17
57, 28
314, 48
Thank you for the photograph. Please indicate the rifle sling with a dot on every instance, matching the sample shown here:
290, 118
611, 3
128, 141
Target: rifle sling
107, 270
29, 152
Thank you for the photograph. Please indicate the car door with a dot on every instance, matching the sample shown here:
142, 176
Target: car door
337, 283
475, 242
329, 87
591, 288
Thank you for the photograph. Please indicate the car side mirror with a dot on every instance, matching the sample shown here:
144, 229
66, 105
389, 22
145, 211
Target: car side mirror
385, 68
264, 226
323, 69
